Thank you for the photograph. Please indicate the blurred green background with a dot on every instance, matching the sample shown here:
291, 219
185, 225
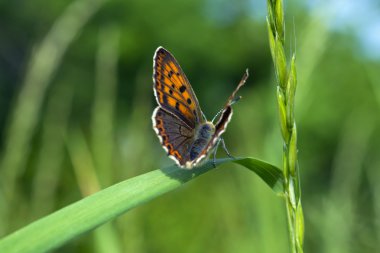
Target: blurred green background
75, 116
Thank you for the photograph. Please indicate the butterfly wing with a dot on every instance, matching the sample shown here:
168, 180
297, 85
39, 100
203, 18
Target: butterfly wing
175, 136
232, 98
221, 124
173, 90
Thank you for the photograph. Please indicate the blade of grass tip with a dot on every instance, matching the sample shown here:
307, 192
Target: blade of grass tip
42, 66
54, 230
270, 174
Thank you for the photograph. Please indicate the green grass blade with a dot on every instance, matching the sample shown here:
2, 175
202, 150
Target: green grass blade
54, 230
270, 174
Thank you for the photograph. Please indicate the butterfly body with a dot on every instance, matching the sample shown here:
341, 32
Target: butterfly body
203, 135
183, 131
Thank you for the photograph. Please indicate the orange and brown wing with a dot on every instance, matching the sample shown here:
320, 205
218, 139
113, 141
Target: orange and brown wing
172, 89
175, 136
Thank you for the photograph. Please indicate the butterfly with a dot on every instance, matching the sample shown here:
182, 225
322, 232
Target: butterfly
183, 130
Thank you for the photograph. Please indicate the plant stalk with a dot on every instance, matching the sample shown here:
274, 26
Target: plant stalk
287, 82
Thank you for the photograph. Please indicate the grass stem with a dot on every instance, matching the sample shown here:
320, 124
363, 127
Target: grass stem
287, 82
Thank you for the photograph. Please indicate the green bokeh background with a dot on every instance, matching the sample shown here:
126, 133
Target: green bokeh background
75, 116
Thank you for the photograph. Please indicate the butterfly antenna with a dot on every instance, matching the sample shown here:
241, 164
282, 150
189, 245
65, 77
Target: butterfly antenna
217, 115
233, 101
204, 116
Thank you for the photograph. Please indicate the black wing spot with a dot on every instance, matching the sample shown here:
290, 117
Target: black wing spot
171, 92
182, 88
170, 73
173, 86
177, 106
189, 101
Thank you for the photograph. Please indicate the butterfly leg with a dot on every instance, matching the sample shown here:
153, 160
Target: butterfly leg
214, 154
225, 148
